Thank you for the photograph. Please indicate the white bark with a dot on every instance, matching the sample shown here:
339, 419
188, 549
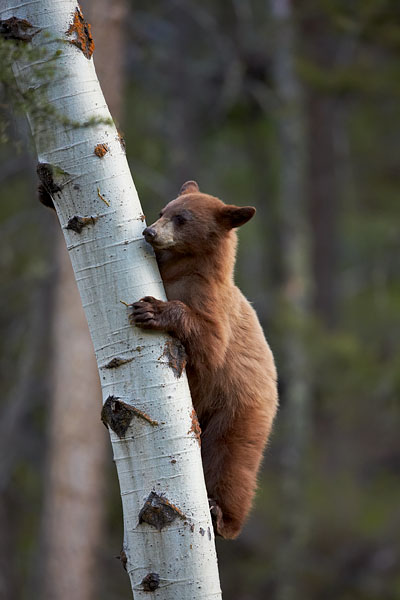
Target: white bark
112, 262
73, 485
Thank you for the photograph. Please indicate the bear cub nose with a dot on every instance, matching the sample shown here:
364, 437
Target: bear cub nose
149, 234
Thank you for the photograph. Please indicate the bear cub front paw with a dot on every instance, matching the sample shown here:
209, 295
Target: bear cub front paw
147, 313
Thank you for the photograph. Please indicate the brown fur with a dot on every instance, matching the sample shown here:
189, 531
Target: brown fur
230, 367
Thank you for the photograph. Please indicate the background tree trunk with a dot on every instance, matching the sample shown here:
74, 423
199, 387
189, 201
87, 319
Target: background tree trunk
329, 159
295, 262
168, 536
323, 123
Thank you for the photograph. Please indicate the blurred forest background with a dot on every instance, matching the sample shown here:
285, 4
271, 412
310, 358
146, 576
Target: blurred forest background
292, 107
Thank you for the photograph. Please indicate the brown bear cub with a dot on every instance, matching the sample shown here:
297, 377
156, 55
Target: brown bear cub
230, 366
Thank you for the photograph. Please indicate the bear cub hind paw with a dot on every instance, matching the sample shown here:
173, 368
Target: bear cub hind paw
216, 516
227, 528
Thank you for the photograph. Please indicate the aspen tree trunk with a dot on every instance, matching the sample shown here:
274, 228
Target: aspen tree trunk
328, 148
295, 257
168, 536
73, 517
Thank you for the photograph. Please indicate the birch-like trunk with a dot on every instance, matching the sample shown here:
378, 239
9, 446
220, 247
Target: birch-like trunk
71, 551
168, 535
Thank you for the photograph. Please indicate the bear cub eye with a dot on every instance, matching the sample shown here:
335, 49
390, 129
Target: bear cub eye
179, 219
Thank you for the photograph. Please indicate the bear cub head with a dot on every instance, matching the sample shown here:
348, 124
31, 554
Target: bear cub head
195, 222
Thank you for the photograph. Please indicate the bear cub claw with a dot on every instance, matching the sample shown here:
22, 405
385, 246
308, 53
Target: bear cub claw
146, 313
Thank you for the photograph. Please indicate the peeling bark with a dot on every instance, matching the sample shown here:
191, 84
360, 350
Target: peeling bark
81, 29
195, 428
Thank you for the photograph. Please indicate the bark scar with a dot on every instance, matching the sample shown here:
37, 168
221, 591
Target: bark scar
46, 173
82, 30
123, 558
151, 582
175, 353
118, 415
195, 428
77, 223
116, 362
17, 29
158, 511
100, 150
122, 142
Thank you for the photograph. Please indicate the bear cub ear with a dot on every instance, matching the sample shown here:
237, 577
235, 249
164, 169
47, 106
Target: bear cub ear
235, 216
189, 187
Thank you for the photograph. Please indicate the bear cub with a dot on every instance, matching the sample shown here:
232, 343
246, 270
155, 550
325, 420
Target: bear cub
230, 366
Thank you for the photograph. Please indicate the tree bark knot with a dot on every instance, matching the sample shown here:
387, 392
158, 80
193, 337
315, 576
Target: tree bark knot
116, 362
158, 511
46, 173
117, 415
151, 582
17, 29
77, 223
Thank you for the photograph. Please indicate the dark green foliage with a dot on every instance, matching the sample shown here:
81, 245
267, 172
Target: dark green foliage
33, 100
